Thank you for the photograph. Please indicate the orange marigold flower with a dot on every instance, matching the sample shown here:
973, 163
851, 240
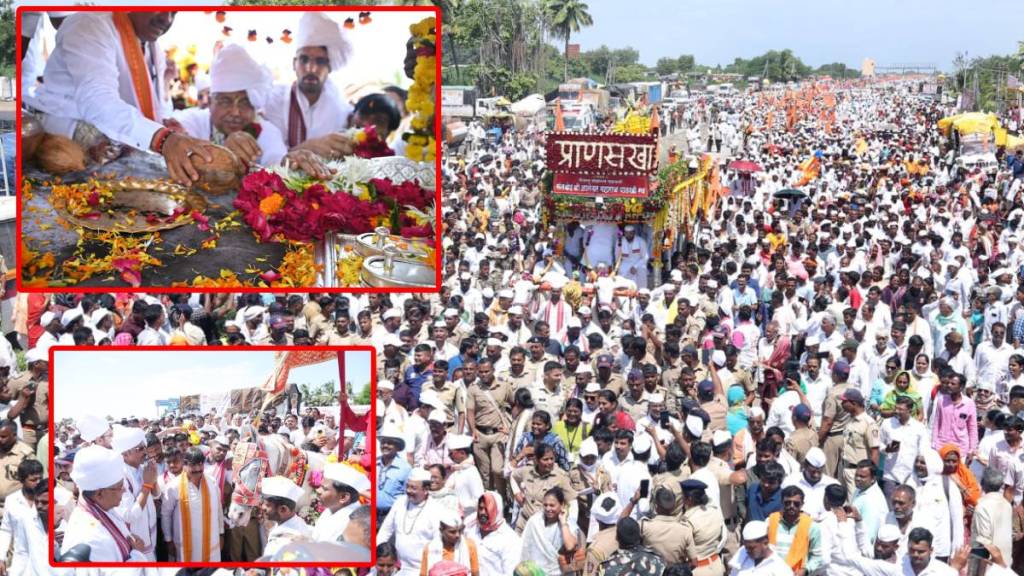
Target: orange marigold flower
272, 204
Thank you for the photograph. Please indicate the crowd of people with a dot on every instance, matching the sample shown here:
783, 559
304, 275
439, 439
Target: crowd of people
827, 383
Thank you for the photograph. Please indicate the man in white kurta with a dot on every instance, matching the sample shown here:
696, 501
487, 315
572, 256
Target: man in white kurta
100, 89
95, 522
30, 473
413, 522
465, 478
280, 496
312, 111
31, 537
601, 244
634, 255
238, 92
339, 493
137, 506
190, 485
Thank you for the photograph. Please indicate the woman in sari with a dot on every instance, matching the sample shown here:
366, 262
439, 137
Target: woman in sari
957, 478
902, 386
925, 382
549, 539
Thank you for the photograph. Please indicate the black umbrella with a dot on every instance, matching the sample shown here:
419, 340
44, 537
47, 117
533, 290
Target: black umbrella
790, 194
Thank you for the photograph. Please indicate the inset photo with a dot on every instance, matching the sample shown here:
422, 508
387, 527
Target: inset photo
207, 457
237, 147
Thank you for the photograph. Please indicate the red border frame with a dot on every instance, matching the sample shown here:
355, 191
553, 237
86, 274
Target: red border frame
425, 10
370, 443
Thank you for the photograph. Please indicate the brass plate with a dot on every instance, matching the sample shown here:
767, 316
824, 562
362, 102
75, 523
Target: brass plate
152, 196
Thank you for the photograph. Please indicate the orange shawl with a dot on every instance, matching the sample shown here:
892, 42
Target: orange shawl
970, 490
136, 64
186, 519
801, 545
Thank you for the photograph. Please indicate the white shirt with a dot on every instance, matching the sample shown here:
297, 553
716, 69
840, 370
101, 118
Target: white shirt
814, 496
330, 525
197, 122
84, 529
87, 78
498, 552
30, 545
329, 114
781, 412
14, 507
467, 484
415, 527
852, 558
284, 533
773, 565
151, 337
914, 439
141, 521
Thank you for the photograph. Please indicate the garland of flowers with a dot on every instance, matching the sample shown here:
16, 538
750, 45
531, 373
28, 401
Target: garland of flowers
282, 206
420, 144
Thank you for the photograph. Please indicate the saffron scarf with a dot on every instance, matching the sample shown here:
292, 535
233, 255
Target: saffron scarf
186, 518
801, 544
970, 488
124, 546
136, 64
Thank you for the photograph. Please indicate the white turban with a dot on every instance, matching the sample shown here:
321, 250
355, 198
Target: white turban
318, 29
96, 468
234, 70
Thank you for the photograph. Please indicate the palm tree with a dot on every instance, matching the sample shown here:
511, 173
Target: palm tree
566, 17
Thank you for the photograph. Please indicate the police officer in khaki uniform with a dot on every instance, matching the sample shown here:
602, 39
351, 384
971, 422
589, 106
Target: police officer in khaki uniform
634, 402
708, 528
665, 534
31, 393
517, 375
803, 438
12, 454
607, 379
530, 483
489, 424
728, 479
606, 512
834, 419
860, 441
447, 393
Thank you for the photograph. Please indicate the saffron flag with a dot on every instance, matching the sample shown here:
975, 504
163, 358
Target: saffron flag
284, 361
559, 121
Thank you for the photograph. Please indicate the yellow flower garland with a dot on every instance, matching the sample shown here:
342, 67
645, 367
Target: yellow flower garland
420, 144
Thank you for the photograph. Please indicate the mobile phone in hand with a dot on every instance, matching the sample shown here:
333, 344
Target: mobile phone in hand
645, 488
664, 419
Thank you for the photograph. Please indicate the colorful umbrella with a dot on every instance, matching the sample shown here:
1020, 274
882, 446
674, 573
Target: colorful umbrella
744, 166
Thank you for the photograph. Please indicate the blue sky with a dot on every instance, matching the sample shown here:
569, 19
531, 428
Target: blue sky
122, 383
819, 32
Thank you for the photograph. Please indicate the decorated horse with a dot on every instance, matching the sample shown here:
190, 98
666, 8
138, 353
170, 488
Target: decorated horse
270, 455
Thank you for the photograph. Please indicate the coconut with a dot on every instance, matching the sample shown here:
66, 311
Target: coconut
59, 155
221, 175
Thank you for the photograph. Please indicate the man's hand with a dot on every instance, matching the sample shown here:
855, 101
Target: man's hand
174, 126
244, 146
310, 163
520, 498
137, 543
27, 392
149, 474
178, 152
331, 146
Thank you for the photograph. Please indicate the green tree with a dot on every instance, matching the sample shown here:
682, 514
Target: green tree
566, 17
7, 39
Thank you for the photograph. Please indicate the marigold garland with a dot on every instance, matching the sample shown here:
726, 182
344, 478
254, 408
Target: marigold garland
420, 145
